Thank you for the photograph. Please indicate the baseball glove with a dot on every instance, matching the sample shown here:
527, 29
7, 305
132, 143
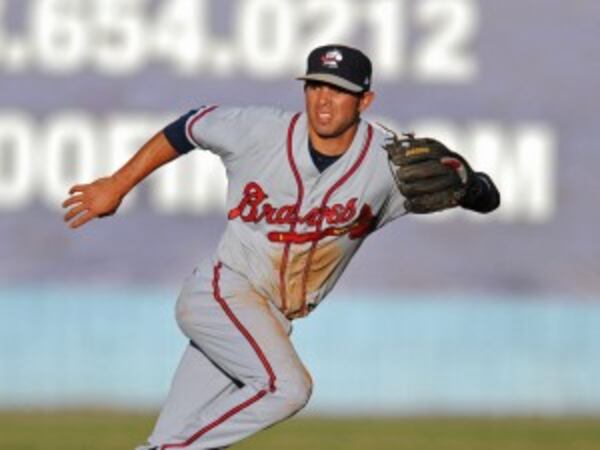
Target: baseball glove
430, 176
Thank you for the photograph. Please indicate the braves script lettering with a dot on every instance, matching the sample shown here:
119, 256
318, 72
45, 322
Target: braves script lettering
253, 207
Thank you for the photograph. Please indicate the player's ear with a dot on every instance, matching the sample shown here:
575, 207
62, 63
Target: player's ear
366, 99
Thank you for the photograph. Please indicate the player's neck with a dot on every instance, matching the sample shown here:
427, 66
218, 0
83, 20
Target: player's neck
333, 146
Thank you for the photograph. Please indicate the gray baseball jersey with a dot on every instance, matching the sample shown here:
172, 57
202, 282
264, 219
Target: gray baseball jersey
292, 229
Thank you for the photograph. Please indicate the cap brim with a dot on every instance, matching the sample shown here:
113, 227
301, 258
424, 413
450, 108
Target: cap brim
334, 80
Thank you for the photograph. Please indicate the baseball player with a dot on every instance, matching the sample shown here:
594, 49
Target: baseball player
305, 190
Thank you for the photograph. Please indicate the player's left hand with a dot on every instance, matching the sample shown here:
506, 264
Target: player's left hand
429, 175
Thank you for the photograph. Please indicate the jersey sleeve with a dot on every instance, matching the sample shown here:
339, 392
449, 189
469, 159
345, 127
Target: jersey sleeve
393, 207
393, 203
176, 134
225, 131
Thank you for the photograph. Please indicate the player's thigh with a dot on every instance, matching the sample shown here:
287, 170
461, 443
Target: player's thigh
238, 331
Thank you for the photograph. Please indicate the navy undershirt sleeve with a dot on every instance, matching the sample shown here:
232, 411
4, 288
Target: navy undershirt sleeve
175, 133
483, 196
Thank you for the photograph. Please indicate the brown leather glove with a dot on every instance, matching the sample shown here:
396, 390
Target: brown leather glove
429, 175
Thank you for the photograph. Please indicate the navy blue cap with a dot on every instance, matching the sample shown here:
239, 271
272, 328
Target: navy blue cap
339, 65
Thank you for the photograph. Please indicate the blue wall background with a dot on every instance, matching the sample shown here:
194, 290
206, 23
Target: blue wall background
367, 353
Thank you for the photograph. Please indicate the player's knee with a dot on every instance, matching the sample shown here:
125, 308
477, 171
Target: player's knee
295, 392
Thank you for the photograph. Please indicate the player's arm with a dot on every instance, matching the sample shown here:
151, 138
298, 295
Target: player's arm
482, 195
102, 197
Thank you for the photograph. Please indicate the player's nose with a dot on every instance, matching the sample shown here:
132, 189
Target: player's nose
325, 93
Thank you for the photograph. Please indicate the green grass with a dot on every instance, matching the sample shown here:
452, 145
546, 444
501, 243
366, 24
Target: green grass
114, 431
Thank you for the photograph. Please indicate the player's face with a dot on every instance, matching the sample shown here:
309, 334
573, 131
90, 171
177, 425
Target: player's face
333, 112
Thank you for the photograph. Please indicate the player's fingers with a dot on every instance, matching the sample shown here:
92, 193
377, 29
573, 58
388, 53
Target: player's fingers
77, 188
82, 219
72, 200
74, 212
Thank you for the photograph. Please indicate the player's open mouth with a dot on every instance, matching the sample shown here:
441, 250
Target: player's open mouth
324, 116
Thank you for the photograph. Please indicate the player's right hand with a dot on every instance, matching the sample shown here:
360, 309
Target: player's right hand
100, 198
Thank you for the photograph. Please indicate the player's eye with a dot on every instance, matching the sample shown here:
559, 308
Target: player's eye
313, 85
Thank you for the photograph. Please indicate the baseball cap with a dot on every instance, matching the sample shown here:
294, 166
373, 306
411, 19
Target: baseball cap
341, 66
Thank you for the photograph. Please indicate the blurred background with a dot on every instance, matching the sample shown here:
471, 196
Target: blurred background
453, 314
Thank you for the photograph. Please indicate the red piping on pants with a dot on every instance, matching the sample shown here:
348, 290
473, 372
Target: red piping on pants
272, 378
298, 178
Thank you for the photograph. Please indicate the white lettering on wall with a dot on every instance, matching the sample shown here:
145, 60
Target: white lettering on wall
73, 147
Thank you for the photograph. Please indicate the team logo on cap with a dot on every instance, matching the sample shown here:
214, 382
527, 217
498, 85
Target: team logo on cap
331, 59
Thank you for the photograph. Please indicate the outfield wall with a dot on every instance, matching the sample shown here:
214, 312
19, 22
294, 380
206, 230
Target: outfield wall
367, 353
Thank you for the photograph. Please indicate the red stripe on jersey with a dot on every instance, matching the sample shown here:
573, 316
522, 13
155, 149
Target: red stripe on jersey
263, 359
328, 194
298, 178
192, 122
